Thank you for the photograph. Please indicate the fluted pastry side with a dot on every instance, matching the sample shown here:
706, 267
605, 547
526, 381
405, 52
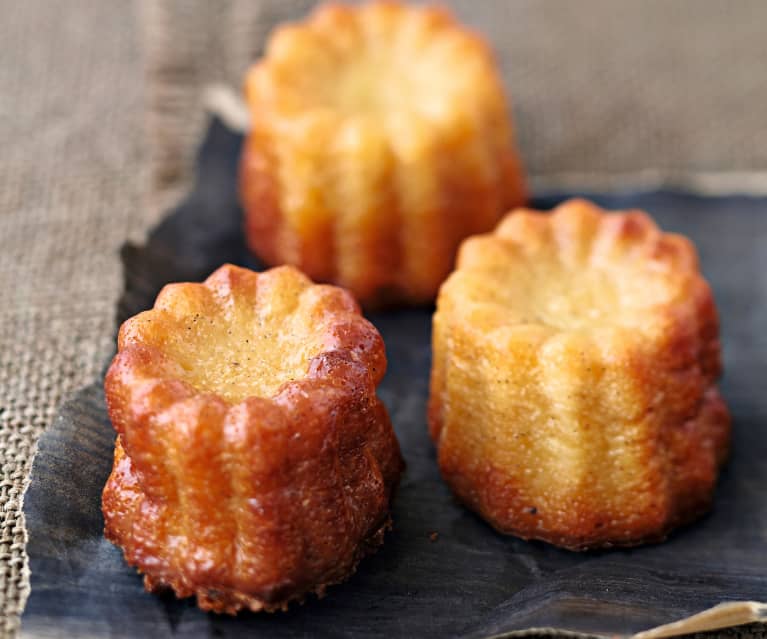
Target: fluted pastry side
573, 392
367, 162
254, 462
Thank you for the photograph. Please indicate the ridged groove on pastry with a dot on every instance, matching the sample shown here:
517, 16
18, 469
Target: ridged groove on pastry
367, 163
573, 385
255, 495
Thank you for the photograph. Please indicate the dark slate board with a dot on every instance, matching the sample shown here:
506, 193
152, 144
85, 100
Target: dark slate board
470, 581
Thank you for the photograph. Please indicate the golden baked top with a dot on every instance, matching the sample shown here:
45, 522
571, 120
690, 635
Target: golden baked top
402, 65
243, 334
578, 268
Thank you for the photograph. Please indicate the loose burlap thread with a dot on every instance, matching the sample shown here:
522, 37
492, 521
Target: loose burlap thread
604, 94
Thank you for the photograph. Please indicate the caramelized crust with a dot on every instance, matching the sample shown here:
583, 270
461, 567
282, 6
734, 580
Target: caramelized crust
367, 163
573, 390
254, 462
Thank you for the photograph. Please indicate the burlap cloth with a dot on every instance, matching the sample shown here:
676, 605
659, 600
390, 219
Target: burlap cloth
605, 95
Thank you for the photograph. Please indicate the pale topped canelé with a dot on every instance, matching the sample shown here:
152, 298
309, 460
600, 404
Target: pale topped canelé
380, 139
573, 393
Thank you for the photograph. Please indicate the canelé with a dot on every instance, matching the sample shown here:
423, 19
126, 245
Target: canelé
573, 390
381, 137
254, 462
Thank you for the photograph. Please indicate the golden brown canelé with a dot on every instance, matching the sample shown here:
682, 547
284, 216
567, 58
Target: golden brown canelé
380, 139
573, 395
254, 462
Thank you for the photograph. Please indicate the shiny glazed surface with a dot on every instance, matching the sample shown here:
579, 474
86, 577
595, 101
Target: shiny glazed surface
249, 485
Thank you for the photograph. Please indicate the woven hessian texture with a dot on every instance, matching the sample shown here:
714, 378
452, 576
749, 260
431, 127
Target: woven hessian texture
600, 90
70, 193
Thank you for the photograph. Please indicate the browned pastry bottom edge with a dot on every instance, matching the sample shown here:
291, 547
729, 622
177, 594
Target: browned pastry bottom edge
694, 508
684, 519
223, 602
